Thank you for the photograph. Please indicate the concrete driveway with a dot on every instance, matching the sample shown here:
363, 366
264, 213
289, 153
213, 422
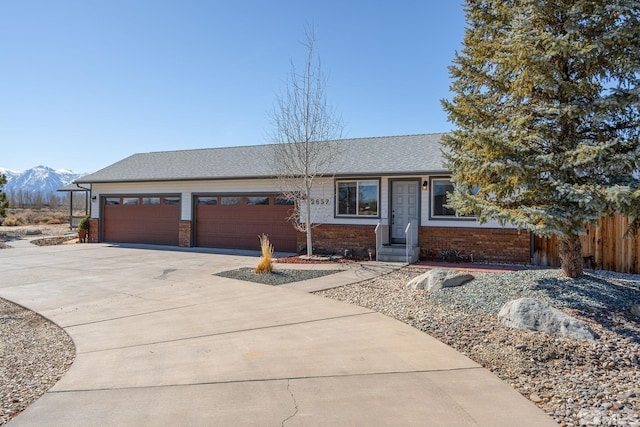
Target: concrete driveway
160, 340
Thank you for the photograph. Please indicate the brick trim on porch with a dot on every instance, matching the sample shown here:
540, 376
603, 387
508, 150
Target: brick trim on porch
485, 244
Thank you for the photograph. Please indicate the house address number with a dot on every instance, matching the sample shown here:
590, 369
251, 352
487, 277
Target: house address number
319, 201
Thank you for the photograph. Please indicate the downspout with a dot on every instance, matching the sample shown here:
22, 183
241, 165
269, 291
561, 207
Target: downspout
87, 197
71, 212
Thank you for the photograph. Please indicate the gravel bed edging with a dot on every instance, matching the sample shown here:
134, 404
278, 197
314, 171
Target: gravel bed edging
277, 277
52, 241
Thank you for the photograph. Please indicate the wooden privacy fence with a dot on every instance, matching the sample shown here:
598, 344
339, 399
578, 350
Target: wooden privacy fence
604, 242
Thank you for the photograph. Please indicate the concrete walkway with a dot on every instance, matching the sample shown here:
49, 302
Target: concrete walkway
160, 340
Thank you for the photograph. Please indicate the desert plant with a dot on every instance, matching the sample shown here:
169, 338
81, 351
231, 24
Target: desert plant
266, 260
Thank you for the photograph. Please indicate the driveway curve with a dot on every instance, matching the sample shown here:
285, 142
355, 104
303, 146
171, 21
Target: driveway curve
161, 340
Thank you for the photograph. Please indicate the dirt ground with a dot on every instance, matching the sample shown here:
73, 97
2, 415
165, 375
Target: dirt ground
7, 234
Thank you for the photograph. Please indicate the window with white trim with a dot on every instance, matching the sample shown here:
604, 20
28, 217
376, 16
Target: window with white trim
357, 198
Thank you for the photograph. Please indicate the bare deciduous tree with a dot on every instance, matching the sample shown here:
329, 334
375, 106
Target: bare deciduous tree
305, 137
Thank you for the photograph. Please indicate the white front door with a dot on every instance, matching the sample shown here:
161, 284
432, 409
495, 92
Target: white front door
405, 199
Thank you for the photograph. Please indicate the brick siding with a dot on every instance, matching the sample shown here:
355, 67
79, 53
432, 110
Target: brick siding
335, 239
485, 244
488, 245
94, 230
184, 234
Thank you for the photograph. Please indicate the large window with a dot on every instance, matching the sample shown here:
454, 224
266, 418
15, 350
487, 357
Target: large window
440, 189
357, 198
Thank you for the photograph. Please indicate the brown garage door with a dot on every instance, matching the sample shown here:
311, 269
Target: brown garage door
237, 221
141, 219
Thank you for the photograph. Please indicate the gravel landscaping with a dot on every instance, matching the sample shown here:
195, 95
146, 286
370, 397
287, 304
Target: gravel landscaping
34, 354
575, 382
278, 277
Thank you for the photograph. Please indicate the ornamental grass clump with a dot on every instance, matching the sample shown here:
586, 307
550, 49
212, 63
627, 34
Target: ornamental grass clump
266, 260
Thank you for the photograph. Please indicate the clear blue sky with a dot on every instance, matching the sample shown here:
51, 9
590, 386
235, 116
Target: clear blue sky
85, 83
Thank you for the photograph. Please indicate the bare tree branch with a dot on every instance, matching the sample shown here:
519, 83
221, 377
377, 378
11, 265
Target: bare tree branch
305, 137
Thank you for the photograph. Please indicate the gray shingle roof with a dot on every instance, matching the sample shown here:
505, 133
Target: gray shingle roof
74, 187
401, 155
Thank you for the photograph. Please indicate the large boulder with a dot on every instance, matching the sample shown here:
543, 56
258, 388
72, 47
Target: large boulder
439, 278
535, 315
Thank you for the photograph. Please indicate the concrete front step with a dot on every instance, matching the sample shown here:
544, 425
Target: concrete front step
397, 253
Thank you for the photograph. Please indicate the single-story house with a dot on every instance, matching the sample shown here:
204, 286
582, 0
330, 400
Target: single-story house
380, 192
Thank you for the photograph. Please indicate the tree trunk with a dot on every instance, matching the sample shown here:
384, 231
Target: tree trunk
570, 251
308, 226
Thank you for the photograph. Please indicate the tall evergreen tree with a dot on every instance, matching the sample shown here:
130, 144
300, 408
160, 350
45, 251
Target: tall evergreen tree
4, 203
546, 107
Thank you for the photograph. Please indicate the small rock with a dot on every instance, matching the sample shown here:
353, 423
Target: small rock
535, 398
635, 310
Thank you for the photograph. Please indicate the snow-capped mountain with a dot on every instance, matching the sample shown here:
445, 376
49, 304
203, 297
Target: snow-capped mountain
9, 173
38, 180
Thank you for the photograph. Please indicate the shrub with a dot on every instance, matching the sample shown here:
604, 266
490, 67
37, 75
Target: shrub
84, 223
266, 260
28, 216
51, 220
10, 221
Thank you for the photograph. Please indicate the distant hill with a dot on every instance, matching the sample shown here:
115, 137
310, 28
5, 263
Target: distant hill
40, 180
